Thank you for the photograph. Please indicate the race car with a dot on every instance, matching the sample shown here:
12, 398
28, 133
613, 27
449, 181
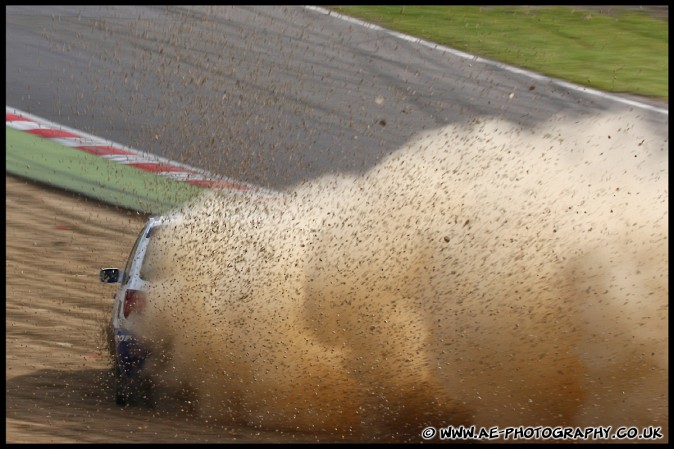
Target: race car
132, 383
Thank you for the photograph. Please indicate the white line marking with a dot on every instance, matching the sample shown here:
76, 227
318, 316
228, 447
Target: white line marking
79, 142
128, 159
183, 176
23, 125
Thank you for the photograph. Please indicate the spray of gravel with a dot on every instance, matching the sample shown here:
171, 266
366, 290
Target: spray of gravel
483, 274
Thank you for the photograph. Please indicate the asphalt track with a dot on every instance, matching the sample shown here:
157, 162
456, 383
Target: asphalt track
271, 96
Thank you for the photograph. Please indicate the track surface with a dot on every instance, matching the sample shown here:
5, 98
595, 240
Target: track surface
267, 95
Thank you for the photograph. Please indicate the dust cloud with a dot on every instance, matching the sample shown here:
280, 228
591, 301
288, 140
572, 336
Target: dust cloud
483, 274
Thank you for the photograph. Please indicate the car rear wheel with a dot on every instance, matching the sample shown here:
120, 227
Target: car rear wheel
145, 392
128, 392
121, 389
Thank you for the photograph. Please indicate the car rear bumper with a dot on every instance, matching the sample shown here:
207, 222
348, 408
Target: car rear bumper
131, 355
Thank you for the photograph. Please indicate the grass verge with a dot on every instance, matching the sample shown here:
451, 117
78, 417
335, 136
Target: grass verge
620, 50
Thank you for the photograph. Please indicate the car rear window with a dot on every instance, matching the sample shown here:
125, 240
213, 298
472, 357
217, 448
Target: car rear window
151, 270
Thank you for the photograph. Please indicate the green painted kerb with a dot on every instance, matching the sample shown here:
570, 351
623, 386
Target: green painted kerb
48, 162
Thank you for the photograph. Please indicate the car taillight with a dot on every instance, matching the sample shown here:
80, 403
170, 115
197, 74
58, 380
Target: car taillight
134, 301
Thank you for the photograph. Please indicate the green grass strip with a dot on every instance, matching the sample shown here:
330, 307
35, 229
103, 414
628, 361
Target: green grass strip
48, 162
623, 52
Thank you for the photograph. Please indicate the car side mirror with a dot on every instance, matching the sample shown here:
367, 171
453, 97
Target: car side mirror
109, 275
